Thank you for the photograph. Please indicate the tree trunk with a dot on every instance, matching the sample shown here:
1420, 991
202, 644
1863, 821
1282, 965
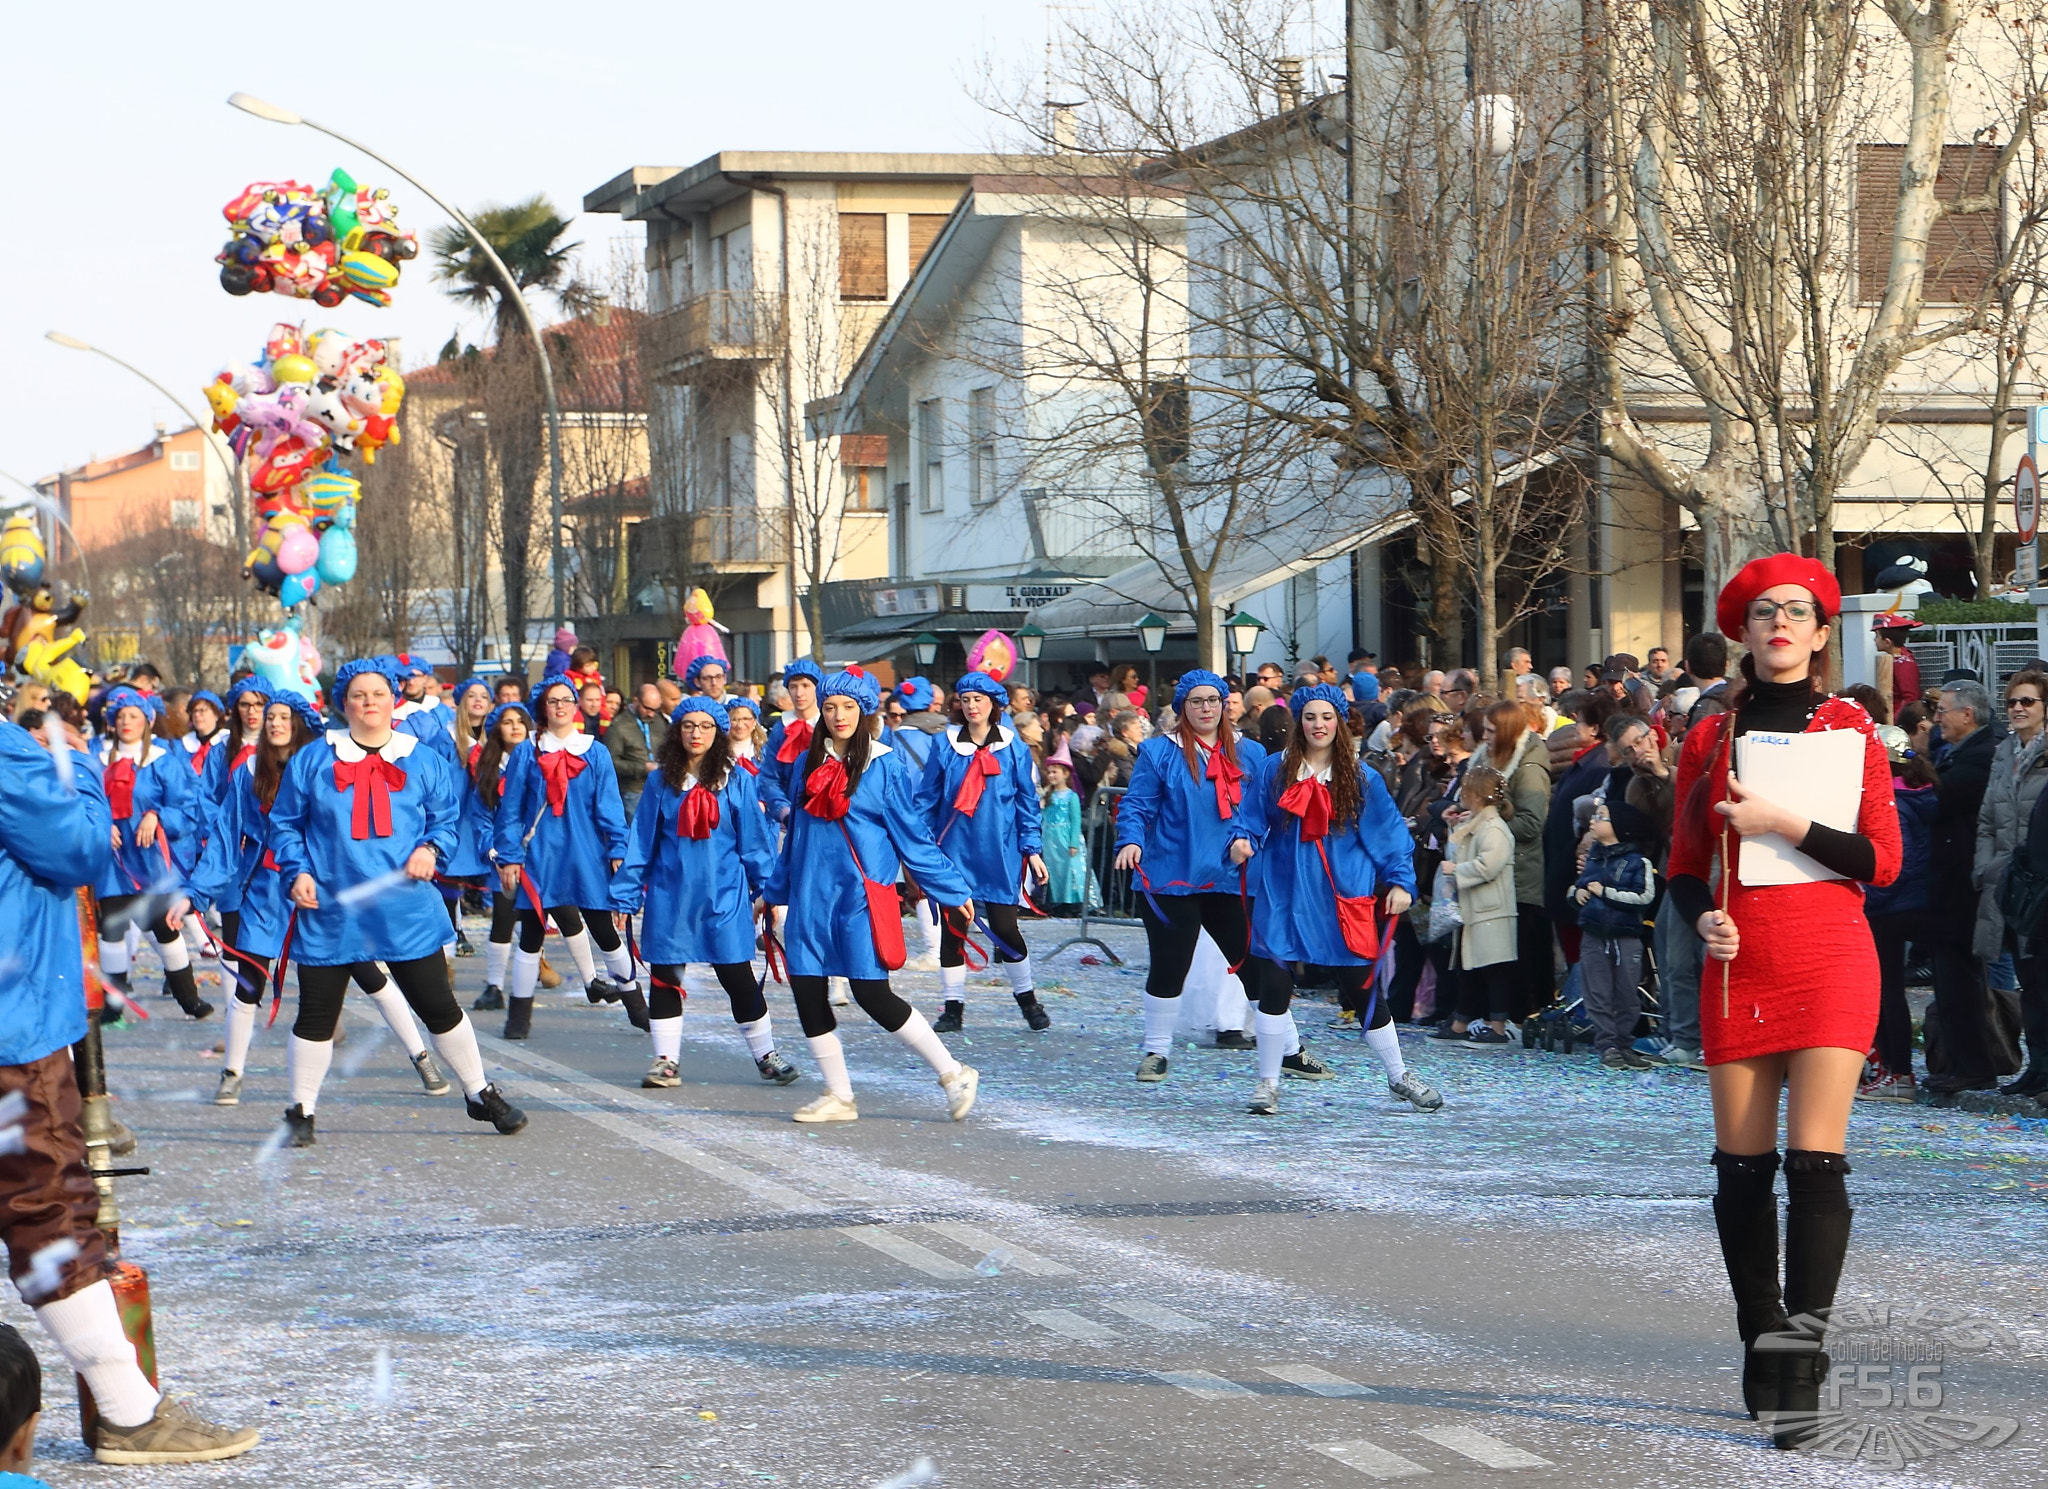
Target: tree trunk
1446, 596
1734, 528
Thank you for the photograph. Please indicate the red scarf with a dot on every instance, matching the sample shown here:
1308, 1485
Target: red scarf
1229, 779
796, 738
698, 814
558, 768
242, 757
476, 753
1309, 799
747, 764
980, 766
372, 779
825, 791
120, 783
199, 758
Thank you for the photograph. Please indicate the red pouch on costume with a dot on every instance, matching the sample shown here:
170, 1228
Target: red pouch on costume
1357, 916
885, 913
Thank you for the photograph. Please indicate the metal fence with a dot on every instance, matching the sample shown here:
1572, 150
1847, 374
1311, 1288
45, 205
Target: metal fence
1111, 897
1994, 653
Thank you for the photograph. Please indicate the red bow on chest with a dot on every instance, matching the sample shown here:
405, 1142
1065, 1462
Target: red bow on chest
1229, 781
476, 753
980, 767
747, 764
199, 758
698, 813
825, 791
558, 768
242, 757
372, 779
1309, 799
120, 784
796, 738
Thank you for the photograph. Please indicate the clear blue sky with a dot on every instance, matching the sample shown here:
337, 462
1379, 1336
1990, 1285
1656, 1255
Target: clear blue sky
122, 150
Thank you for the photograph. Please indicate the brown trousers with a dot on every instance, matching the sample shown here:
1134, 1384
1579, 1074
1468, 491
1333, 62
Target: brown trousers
46, 1193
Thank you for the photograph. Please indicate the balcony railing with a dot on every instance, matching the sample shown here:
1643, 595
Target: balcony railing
724, 329
723, 539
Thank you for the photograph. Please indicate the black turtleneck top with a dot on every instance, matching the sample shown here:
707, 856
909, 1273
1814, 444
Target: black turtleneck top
1783, 708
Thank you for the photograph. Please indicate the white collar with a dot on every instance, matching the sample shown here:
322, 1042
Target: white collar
429, 703
140, 752
1307, 772
957, 734
407, 707
742, 749
348, 752
577, 744
876, 749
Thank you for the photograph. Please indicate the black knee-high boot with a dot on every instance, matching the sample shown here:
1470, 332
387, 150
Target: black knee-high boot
1817, 1220
1746, 1215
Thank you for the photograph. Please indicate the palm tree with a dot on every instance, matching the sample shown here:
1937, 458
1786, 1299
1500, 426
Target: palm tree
527, 236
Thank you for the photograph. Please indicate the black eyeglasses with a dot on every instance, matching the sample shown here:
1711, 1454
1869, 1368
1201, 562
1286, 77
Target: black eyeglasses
2012, 703
1795, 610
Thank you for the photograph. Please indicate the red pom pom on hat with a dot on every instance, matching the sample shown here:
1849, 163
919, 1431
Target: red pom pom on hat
1760, 574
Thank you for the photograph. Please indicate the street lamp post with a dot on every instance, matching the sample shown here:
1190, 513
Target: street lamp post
926, 646
1031, 641
1152, 637
249, 104
1243, 630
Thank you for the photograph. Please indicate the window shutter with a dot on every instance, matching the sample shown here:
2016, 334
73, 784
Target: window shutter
1962, 252
863, 256
924, 231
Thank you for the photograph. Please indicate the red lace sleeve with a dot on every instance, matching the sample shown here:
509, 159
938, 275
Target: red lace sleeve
1693, 820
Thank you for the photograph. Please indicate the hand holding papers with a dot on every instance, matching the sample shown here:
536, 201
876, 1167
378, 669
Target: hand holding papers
1819, 776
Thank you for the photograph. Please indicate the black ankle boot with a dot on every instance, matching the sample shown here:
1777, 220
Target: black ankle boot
183, 986
1033, 1010
948, 1021
518, 1018
1746, 1216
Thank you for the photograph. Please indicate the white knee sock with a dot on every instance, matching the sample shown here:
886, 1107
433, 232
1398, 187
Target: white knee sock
87, 1328
1271, 1030
917, 1033
241, 1028
458, 1047
831, 1064
1160, 1014
1019, 974
195, 938
759, 1035
525, 974
114, 959
928, 922
497, 956
619, 962
391, 1003
668, 1037
132, 943
175, 957
307, 1065
579, 952
953, 983
1386, 1045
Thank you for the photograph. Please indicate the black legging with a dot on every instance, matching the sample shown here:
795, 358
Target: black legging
423, 981
1172, 941
877, 1001
253, 975
1489, 992
1890, 933
1275, 985
1409, 959
532, 931
1002, 919
504, 917
665, 998
118, 912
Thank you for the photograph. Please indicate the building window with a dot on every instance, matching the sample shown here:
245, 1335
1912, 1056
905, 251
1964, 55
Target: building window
184, 460
863, 256
924, 231
1962, 252
866, 488
185, 512
1167, 422
981, 415
931, 470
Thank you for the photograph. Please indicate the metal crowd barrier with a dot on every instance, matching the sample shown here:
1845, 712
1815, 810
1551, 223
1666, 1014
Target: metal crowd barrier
1111, 897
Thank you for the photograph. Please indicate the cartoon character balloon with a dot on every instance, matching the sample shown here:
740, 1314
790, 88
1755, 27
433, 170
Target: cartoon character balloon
995, 654
700, 636
322, 244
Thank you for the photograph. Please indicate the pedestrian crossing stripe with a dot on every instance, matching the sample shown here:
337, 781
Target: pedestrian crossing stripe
1318, 1380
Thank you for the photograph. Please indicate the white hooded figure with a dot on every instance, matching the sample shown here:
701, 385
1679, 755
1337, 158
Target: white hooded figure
1212, 998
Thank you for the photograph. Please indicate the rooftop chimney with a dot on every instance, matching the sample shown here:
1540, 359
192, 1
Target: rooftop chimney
1288, 84
1066, 126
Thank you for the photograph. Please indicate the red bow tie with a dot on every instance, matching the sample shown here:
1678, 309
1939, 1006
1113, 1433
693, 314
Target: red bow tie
476, 753
1309, 799
558, 768
747, 764
825, 791
698, 814
1229, 779
372, 779
242, 756
979, 769
199, 758
796, 738
120, 784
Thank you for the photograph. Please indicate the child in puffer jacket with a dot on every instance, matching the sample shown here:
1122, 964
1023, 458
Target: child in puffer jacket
1614, 893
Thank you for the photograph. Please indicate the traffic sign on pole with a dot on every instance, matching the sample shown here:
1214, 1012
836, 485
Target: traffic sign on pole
2026, 499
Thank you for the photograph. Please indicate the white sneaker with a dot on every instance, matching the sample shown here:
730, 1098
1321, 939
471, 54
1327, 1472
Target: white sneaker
924, 962
960, 1088
1681, 1058
827, 1108
1265, 1100
841, 995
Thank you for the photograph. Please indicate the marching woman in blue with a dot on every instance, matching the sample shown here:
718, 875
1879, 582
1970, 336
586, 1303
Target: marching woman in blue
700, 854
470, 869
1173, 831
364, 819
559, 834
980, 800
247, 698
154, 798
208, 717
505, 728
791, 736
238, 858
1321, 828
855, 823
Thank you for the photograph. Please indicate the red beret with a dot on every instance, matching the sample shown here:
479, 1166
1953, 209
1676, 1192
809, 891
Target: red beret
1760, 574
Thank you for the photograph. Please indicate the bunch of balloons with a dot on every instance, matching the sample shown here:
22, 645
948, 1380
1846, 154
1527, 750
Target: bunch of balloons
289, 416
30, 627
314, 243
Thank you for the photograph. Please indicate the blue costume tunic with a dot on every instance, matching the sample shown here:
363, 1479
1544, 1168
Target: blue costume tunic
775, 775
474, 826
568, 854
989, 847
1173, 817
164, 784
827, 933
53, 839
228, 753
698, 892
1294, 910
232, 867
311, 832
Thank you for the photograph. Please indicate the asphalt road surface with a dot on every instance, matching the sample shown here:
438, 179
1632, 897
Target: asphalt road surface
1088, 1283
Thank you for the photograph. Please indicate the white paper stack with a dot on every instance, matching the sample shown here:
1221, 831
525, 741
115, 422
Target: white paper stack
1819, 776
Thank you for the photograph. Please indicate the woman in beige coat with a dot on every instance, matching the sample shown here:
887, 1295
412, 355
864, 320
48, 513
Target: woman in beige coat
1483, 860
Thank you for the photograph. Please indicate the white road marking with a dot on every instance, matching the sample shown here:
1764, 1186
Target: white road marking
1314, 1378
1073, 1325
907, 1251
1028, 1262
1163, 1319
1372, 1460
1480, 1448
1202, 1383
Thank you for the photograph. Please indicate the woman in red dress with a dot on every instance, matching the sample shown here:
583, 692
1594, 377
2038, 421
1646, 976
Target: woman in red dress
1789, 997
